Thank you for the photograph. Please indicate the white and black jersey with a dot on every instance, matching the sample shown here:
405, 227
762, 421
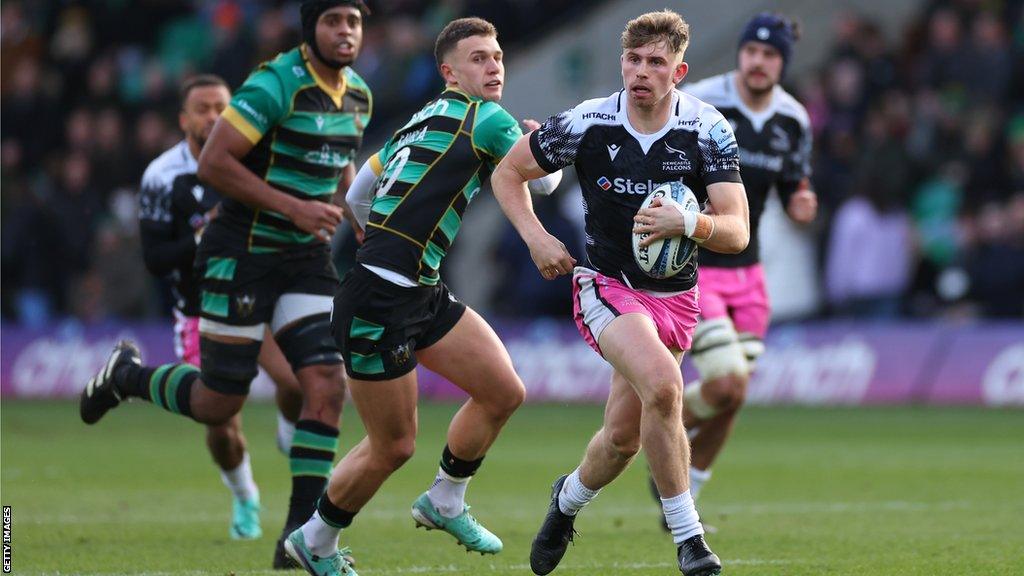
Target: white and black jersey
775, 150
172, 208
618, 167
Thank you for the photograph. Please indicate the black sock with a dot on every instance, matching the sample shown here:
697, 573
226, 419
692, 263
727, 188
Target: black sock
333, 515
311, 458
457, 467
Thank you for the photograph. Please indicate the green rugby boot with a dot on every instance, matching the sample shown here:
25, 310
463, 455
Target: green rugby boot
335, 565
464, 527
245, 519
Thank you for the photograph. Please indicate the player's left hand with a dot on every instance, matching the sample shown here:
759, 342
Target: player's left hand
803, 206
531, 124
659, 220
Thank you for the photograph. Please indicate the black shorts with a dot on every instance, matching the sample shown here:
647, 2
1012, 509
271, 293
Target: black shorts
379, 325
242, 289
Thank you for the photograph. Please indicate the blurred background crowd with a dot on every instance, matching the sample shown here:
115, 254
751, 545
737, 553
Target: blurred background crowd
919, 156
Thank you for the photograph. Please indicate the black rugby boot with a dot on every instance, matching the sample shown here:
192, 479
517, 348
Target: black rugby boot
554, 536
696, 559
101, 393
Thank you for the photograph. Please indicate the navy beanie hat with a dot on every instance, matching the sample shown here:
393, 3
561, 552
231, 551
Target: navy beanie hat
772, 29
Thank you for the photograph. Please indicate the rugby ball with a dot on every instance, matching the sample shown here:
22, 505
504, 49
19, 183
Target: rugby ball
666, 257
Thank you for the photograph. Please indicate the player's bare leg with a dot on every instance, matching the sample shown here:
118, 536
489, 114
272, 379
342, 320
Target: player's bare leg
473, 358
227, 446
389, 414
726, 395
657, 384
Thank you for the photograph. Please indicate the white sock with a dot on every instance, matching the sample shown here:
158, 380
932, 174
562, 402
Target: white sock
240, 481
574, 495
681, 517
448, 494
698, 478
285, 433
321, 538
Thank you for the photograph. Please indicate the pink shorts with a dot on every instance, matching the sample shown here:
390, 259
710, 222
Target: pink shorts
186, 338
737, 293
599, 299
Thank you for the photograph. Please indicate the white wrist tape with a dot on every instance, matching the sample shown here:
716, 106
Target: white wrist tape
689, 219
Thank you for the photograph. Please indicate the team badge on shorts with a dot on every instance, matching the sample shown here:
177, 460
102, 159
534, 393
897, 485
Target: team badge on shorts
245, 304
400, 355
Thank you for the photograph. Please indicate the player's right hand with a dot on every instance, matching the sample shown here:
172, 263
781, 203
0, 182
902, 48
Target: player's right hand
551, 257
317, 218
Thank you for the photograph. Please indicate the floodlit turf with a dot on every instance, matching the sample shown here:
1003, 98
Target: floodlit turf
799, 492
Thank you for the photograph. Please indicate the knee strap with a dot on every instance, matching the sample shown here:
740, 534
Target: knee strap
309, 342
717, 351
228, 368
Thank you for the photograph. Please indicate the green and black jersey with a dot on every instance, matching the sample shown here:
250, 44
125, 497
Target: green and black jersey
304, 133
428, 172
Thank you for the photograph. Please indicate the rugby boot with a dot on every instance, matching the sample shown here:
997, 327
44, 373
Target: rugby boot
245, 520
554, 536
101, 393
696, 559
282, 561
336, 564
464, 527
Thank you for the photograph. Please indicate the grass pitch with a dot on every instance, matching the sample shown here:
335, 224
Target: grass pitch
798, 492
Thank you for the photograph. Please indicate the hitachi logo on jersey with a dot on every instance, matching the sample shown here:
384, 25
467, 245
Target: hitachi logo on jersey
627, 186
599, 116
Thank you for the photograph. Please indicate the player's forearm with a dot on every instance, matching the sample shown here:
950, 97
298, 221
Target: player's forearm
231, 178
511, 193
729, 234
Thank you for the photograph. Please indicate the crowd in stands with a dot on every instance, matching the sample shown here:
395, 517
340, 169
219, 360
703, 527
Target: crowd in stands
919, 160
920, 163
88, 94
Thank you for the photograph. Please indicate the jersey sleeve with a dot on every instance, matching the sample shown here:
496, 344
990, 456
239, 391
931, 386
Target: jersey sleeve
496, 131
557, 142
797, 165
720, 160
258, 105
161, 249
155, 200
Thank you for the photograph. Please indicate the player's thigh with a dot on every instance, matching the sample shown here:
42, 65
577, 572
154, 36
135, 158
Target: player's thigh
387, 409
472, 357
631, 344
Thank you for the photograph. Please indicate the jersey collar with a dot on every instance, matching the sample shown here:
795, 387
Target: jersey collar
757, 119
459, 92
336, 94
647, 140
